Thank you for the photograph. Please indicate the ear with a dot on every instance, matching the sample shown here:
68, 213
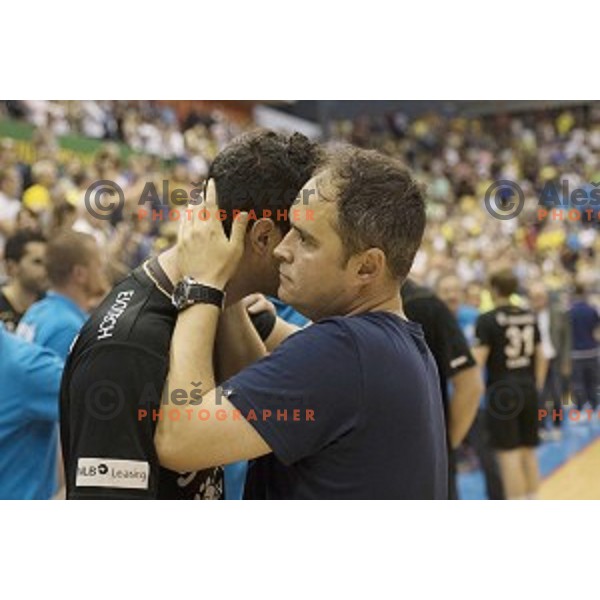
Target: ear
79, 274
11, 268
264, 236
370, 265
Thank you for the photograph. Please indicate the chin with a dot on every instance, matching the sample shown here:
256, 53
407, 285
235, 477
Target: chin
284, 294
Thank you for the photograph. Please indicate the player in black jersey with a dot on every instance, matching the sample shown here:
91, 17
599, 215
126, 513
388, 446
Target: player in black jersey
112, 390
508, 345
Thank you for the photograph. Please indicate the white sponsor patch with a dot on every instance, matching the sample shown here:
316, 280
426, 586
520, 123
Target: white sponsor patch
461, 360
110, 472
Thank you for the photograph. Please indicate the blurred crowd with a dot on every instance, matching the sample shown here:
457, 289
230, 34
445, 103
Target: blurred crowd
457, 158
460, 158
50, 241
48, 195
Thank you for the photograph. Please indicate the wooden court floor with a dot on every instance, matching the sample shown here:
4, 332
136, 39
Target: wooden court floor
577, 479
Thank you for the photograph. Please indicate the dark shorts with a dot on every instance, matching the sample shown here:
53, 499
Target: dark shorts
512, 415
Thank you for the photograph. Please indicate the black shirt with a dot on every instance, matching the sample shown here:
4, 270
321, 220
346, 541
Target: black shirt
116, 371
8, 315
511, 333
444, 337
351, 408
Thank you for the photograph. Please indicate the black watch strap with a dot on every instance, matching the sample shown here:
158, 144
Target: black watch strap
204, 294
189, 292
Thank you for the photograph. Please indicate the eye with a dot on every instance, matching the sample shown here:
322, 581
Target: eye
299, 234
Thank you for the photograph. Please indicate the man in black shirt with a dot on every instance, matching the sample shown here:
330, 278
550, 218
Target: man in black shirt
25, 256
508, 345
348, 407
455, 365
112, 389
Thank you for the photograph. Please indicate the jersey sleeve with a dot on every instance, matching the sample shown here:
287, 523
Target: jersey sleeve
458, 354
305, 395
107, 427
61, 341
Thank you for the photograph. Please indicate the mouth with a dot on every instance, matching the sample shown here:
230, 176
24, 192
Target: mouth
283, 276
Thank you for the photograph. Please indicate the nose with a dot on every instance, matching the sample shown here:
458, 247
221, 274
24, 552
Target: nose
282, 251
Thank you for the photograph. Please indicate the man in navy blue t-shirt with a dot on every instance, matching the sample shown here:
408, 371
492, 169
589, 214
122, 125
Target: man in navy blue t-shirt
349, 407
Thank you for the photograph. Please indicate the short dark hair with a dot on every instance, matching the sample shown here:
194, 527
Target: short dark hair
16, 245
504, 282
65, 251
379, 204
263, 170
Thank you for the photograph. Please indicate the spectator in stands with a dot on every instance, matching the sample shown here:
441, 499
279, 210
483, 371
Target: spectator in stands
37, 196
10, 204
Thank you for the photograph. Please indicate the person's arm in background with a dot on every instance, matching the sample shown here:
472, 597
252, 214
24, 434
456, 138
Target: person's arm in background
248, 331
464, 403
464, 373
257, 303
565, 344
42, 374
541, 367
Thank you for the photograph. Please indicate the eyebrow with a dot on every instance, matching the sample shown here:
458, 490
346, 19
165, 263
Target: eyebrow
303, 232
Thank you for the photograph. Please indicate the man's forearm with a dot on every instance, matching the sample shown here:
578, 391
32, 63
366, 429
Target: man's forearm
192, 344
190, 368
281, 332
238, 343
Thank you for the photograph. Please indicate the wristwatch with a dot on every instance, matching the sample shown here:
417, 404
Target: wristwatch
189, 292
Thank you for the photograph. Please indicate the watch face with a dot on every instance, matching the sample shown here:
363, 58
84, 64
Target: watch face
189, 291
179, 298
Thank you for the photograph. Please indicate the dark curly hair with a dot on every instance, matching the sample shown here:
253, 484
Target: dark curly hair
263, 170
16, 245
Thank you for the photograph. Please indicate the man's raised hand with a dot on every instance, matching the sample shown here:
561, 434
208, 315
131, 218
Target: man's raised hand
203, 250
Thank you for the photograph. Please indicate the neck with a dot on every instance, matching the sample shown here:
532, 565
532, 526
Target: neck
502, 301
20, 298
73, 293
388, 300
391, 302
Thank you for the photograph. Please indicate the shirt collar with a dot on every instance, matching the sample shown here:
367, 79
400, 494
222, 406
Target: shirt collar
68, 303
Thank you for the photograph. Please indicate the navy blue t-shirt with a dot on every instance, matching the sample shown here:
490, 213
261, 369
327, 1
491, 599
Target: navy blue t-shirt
584, 320
351, 408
